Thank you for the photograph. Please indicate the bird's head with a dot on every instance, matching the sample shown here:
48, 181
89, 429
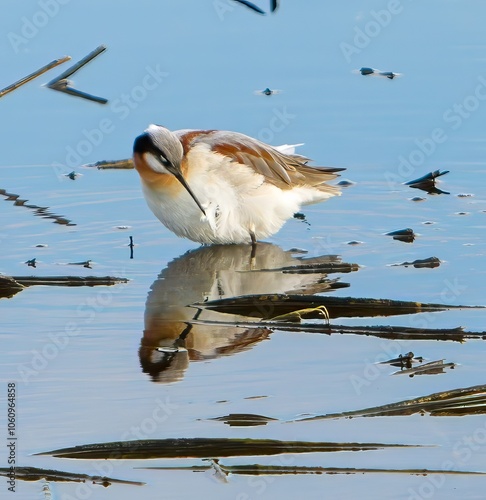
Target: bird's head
161, 149
162, 152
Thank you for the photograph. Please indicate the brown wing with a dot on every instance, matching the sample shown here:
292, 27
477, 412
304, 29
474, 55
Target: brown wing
284, 171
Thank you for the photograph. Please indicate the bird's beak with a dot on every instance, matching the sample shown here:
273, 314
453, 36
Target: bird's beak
177, 174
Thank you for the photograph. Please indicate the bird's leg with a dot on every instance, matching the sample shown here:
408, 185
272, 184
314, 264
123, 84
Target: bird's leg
253, 249
181, 339
325, 314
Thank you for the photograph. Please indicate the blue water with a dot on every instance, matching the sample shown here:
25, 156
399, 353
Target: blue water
194, 64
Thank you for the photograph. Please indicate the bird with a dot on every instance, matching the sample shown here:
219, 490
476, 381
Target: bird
222, 187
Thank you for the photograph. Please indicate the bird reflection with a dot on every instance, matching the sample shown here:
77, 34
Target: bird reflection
173, 335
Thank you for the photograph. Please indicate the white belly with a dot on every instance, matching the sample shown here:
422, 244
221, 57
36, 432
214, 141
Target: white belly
237, 202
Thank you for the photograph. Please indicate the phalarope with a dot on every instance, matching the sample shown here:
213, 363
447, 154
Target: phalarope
213, 186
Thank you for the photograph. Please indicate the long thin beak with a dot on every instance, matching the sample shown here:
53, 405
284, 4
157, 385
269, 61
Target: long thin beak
181, 179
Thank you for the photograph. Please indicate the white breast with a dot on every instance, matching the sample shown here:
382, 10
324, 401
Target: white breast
236, 199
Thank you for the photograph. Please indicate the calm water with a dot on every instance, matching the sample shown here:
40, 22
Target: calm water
83, 358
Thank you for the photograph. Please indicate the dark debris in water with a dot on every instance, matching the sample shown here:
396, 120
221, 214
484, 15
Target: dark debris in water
85, 263
457, 334
345, 183
403, 361
68, 280
301, 251
406, 362
390, 332
131, 245
244, 419
37, 474
279, 470
330, 265
33, 75
73, 175
268, 306
406, 235
267, 91
10, 285
38, 211
208, 448
389, 74
62, 84
427, 182
433, 368
454, 403
126, 164
301, 216
376, 72
251, 6
430, 262
273, 6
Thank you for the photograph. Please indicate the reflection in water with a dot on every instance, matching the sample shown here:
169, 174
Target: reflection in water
38, 211
427, 182
53, 476
257, 469
453, 403
171, 339
406, 235
11, 285
208, 447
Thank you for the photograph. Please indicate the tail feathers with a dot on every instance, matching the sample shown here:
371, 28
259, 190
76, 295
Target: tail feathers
315, 176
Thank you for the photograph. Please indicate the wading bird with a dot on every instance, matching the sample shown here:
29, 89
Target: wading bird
213, 186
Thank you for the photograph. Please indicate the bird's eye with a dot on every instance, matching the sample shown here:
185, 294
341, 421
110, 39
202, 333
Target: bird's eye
163, 159
158, 153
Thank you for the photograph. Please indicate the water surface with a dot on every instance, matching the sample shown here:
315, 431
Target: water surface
84, 359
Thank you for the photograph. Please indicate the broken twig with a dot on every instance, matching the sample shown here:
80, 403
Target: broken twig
33, 75
62, 84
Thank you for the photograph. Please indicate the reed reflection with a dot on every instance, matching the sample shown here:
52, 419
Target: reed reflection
173, 337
